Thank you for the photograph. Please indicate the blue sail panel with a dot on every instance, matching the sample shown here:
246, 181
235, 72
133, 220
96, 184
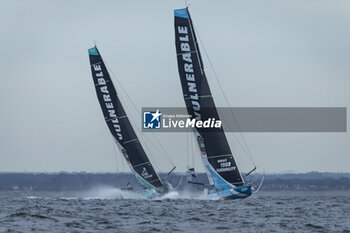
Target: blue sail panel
93, 51
181, 13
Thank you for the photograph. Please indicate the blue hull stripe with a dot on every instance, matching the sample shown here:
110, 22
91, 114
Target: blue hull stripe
219, 182
234, 193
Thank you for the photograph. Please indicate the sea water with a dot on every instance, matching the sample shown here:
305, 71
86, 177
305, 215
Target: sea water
113, 210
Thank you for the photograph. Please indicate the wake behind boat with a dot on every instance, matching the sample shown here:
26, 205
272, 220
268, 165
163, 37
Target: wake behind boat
224, 177
122, 131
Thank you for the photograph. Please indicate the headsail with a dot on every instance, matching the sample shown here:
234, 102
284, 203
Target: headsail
221, 167
119, 124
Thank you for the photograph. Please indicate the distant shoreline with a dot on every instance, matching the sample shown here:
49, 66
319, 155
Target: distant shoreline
79, 181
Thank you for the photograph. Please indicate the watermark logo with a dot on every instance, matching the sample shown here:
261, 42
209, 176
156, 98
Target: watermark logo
177, 119
152, 120
167, 121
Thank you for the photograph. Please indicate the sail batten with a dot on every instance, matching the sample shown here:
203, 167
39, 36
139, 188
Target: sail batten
119, 124
215, 150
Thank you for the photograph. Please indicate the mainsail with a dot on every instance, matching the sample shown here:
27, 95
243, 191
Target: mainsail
221, 167
119, 124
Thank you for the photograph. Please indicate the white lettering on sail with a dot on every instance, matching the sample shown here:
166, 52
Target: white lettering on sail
194, 97
111, 113
183, 38
109, 105
187, 57
185, 47
190, 77
101, 81
192, 87
104, 89
182, 30
188, 68
225, 165
195, 105
107, 99
96, 67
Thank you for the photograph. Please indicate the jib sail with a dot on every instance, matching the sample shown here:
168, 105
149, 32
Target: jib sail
216, 153
119, 124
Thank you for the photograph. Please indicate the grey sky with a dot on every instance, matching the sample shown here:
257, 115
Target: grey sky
266, 53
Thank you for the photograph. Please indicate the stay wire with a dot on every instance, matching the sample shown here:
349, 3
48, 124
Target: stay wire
141, 136
249, 155
161, 148
115, 156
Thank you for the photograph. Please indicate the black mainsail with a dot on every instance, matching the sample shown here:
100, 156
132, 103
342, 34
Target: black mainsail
119, 124
216, 153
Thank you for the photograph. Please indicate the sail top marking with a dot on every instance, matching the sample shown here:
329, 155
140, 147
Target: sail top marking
181, 13
93, 51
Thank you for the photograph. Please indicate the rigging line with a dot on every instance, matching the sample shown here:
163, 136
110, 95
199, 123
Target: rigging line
178, 185
124, 165
115, 155
249, 155
187, 149
136, 109
128, 111
145, 146
202, 70
239, 141
225, 97
190, 141
162, 148
193, 148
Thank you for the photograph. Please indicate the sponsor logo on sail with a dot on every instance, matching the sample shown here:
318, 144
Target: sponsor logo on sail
101, 87
145, 174
225, 165
186, 55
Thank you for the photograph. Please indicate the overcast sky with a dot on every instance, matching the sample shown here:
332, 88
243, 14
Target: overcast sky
266, 54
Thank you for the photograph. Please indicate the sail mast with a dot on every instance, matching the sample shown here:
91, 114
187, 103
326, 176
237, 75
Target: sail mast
215, 151
119, 124
195, 41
